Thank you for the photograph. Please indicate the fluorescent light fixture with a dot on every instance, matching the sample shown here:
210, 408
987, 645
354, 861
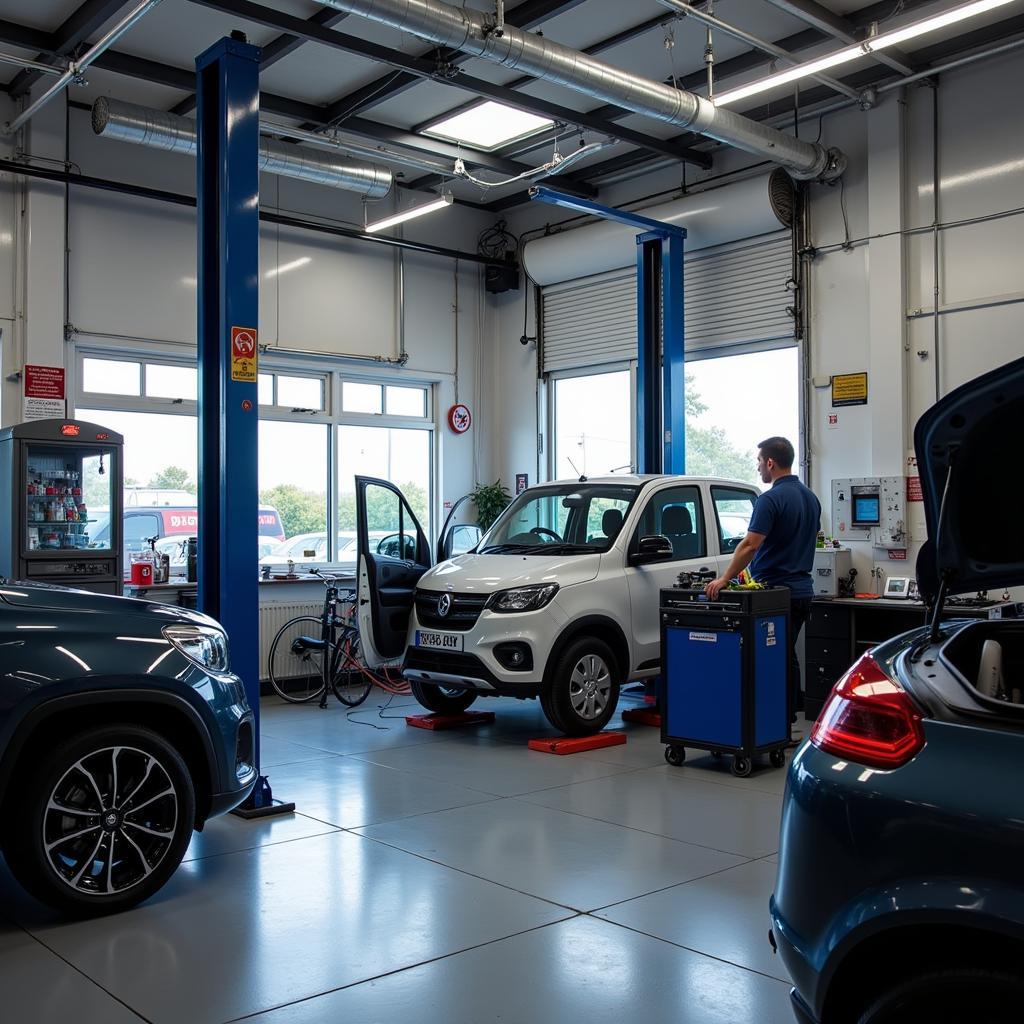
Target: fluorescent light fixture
488, 125
414, 211
858, 50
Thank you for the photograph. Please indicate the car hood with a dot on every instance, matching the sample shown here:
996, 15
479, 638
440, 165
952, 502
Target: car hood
45, 597
973, 430
486, 574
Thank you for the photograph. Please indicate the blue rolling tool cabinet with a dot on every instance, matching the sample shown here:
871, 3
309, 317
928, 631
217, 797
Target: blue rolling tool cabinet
726, 667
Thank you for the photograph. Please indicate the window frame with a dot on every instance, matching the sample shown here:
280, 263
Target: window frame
713, 488
276, 364
699, 520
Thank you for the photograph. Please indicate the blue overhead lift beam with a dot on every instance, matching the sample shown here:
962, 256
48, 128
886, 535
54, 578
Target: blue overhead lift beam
661, 403
227, 190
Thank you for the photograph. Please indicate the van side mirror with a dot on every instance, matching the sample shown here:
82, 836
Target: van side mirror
654, 548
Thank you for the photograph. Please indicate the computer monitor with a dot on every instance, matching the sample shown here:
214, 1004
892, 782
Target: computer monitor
866, 510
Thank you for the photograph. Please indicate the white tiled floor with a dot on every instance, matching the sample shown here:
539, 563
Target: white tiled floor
437, 877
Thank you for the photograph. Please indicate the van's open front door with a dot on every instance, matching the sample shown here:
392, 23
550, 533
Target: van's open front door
458, 535
393, 555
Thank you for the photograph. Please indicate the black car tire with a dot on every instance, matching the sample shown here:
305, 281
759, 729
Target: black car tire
564, 689
144, 857
978, 995
440, 700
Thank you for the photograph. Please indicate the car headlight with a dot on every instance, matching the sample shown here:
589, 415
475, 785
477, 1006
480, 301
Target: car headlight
206, 646
523, 599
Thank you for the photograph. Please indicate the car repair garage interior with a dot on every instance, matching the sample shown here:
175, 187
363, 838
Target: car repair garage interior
505, 513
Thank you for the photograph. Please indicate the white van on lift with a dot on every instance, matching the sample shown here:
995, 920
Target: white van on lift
559, 600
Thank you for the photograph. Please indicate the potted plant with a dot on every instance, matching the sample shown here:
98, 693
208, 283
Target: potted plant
490, 500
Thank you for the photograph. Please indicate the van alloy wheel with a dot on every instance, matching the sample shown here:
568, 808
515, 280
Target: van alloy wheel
590, 687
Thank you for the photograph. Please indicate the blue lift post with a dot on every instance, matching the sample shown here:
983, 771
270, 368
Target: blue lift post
661, 404
227, 189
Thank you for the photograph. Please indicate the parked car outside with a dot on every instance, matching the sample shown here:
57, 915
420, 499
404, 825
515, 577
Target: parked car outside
142, 523
122, 729
559, 600
899, 894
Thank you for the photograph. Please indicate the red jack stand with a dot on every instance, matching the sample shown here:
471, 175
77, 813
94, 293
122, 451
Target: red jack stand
574, 744
436, 722
642, 716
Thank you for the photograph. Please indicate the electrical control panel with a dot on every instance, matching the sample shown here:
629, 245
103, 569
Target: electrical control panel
870, 509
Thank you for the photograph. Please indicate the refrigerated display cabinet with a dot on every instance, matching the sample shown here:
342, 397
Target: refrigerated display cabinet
58, 479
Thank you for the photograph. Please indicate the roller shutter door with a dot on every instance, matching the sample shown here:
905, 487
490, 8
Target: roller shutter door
735, 296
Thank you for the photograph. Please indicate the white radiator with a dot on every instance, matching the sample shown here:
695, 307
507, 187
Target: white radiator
273, 617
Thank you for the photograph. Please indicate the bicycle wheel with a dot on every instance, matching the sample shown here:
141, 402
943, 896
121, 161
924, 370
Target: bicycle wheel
350, 679
297, 670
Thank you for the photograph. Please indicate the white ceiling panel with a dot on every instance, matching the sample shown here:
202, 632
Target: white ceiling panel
42, 14
318, 74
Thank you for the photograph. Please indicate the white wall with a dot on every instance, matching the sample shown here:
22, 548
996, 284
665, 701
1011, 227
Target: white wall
862, 298
132, 275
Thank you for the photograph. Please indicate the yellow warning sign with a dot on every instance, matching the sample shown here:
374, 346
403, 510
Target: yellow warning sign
849, 389
243, 354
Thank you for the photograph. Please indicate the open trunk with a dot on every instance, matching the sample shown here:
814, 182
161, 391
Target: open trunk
984, 671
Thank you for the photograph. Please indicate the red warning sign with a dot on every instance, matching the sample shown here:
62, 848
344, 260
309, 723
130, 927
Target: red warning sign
243, 354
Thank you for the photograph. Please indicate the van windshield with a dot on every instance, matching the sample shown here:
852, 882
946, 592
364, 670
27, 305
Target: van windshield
561, 519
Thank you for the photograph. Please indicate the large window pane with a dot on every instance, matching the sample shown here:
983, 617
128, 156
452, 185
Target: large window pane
160, 473
265, 388
400, 456
111, 377
293, 492
300, 392
735, 401
361, 397
172, 381
592, 426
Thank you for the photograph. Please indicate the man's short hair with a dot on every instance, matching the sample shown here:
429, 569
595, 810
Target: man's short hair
780, 449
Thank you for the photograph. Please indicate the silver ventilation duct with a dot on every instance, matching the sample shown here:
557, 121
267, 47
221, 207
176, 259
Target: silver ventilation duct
158, 129
474, 33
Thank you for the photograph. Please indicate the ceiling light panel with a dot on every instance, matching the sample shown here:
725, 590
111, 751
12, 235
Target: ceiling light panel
488, 126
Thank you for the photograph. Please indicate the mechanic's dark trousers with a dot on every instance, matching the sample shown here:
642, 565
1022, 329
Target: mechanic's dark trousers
799, 609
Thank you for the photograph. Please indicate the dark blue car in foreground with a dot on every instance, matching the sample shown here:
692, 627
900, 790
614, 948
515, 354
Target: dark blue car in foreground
900, 887
121, 731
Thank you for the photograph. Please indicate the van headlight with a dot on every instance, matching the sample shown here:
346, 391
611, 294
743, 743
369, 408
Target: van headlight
204, 645
523, 599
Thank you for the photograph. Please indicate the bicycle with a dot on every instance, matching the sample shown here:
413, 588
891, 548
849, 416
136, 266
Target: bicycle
313, 654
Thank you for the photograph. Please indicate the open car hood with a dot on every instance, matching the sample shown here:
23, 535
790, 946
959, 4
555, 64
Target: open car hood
974, 429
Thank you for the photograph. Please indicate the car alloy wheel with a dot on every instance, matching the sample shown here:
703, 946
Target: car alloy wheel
590, 686
110, 821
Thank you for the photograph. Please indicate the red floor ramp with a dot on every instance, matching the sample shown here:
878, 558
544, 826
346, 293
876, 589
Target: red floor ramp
437, 722
642, 716
574, 744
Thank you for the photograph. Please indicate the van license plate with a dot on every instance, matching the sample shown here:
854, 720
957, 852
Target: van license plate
439, 641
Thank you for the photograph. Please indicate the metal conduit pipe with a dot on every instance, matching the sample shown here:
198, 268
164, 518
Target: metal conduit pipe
76, 67
474, 33
687, 9
32, 65
159, 129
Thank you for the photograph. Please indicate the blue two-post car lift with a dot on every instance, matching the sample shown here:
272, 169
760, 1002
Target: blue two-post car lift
227, 189
661, 398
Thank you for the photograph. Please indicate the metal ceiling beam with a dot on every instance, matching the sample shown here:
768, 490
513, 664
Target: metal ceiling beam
838, 27
83, 22
525, 16
277, 49
424, 68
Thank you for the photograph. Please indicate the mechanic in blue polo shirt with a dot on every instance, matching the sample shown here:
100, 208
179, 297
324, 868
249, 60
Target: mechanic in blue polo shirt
780, 541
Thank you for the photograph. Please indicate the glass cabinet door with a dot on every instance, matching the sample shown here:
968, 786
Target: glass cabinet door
68, 493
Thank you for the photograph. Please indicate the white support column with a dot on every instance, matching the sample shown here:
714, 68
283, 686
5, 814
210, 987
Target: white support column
37, 334
886, 288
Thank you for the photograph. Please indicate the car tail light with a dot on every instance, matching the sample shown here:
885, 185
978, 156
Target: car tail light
869, 719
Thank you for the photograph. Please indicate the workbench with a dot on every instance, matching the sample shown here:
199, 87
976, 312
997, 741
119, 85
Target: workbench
839, 630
